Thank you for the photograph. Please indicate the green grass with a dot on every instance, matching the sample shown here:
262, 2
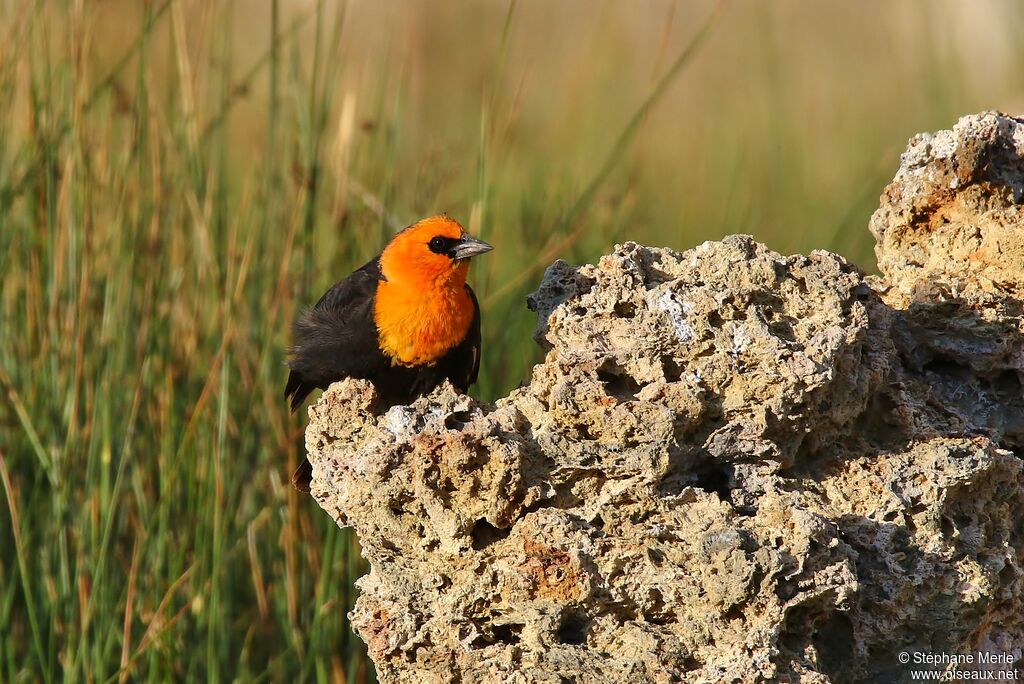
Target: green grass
177, 178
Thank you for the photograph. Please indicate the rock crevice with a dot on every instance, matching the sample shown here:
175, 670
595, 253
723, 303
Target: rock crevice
732, 465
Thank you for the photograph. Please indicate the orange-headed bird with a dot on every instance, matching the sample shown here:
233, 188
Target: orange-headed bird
406, 321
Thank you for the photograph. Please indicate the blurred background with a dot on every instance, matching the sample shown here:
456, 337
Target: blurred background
179, 177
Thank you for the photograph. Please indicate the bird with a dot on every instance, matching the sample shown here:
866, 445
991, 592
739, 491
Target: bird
406, 321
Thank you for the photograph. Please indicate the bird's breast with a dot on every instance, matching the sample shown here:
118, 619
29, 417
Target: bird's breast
418, 326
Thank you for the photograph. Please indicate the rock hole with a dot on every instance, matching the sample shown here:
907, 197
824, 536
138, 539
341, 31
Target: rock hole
499, 634
625, 309
1007, 575
793, 636
638, 517
573, 629
734, 613
1008, 382
745, 510
1007, 386
715, 478
782, 329
690, 664
671, 369
484, 534
947, 526
597, 522
943, 365
457, 420
833, 639
617, 382
507, 634
656, 557
714, 320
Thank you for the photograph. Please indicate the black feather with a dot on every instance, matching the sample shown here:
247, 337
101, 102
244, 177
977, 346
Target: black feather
337, 338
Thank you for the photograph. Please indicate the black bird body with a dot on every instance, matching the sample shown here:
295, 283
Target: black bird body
338, 339
406, 321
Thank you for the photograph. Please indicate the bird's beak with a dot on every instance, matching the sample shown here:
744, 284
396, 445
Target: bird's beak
468, 246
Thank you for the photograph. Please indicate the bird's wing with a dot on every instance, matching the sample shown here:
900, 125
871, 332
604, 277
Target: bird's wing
337, 337
342, 294
472, 342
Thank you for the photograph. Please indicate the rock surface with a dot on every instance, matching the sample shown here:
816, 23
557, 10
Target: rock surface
731, 466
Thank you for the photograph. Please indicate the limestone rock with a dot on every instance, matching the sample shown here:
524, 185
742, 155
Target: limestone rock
952, 216
732, 465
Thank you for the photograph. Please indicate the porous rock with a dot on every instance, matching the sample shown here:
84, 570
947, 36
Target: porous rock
732, 465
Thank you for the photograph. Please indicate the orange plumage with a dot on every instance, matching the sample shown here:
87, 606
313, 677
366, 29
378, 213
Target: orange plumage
422, 308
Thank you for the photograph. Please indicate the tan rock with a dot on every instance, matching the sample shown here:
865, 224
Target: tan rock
731, 466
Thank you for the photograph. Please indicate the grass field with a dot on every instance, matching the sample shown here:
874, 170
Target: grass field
178, 177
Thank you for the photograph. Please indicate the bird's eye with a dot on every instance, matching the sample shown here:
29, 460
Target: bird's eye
437, 245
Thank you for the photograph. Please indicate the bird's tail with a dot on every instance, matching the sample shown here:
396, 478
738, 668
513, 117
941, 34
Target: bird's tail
296, 390
303, 475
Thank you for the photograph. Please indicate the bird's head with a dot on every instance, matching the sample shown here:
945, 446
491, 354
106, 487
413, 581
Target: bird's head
432, 252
